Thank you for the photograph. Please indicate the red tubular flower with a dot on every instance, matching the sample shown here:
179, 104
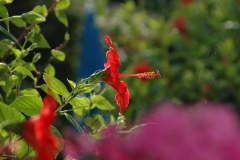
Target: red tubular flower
113, 76
37, 131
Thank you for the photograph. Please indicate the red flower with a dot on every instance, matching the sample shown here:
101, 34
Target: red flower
186, 2
180, 24
113, 76
141, 68
37, 131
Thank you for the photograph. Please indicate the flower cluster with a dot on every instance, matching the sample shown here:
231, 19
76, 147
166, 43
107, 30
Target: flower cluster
203, 132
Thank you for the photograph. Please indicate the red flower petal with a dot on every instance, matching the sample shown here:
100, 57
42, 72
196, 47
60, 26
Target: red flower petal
37, 131
113, 77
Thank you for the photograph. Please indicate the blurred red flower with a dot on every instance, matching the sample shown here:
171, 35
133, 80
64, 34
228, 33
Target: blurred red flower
113, 77
37, 131
180, 24
186, 2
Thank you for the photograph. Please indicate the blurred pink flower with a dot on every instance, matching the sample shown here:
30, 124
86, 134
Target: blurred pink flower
171, 132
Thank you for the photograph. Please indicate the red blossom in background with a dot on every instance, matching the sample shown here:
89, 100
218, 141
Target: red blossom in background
141, 68
186, 2
180, 24
37, 131
113, 76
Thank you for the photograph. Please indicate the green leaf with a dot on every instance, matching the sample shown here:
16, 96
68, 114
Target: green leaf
55, 85
17, 21
71, 83
16, 52
59, 55
33, 17
3, 30
5, 71
36, 57
4, 14
40, 40
112, 120
5, 1
42, 10
50, 70
45, 88
9, 114
30, 92
84, 88
30, 35
62, 17
5, 45
63, 4
21, 148
24, 71
36, 29
58, 135
95, 122
74, 123
66, 36
102, 103
30, 105
80, 105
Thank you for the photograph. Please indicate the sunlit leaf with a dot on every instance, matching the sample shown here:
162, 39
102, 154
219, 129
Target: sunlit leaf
4, 14
17, 21
61, 17
9, 114
40, 40
42, 10
33, 17
71, 83
59, 55
63, 4
80, 105
102, 103
24, 71
30, 105
55, 85
50, 70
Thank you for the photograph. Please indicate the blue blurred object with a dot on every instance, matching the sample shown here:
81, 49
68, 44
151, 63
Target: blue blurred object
91, 55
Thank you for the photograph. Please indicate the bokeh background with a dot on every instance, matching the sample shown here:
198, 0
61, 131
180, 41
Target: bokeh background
194, 44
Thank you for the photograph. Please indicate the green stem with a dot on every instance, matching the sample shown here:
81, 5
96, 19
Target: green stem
8, 18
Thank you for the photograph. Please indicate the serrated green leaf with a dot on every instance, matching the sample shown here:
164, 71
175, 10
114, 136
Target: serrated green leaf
24, 71
62, 17
80, 105
55, 85
40, 40
102, 103
4, 14
66, 36
42, 10
17, 21
50, 70
71, 83
45, 88
59, 55
9, 114
63, 4
33, 17
74, 123
30, 105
